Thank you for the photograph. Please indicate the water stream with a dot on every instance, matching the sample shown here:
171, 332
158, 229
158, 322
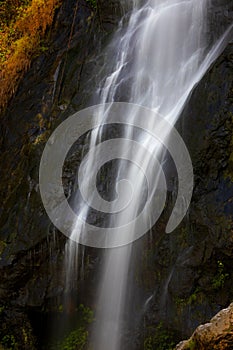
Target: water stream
159, 53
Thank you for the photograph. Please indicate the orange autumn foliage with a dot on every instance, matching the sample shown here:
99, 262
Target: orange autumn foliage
20, 41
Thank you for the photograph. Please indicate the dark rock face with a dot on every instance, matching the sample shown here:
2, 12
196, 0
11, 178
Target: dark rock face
32, 253
186, 277
109, 13
196, 259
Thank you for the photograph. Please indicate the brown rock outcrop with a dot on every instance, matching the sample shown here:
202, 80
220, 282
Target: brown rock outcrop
215, 335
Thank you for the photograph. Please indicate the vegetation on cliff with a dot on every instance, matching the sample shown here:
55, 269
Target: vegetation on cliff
23, 26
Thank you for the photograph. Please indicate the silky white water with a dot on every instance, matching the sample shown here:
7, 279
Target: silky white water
158, 57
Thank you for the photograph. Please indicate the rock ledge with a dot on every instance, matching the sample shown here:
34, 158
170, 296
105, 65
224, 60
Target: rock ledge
215, 335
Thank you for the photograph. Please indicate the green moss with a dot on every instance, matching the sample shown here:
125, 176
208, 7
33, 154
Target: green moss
195, 297
160, 339
219, 279
2, 247
9, 342
87, 314
60, 308
76, 340
25, 336
93, 3
42, 138
192, 344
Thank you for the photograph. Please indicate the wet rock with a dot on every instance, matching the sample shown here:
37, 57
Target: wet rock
109, 13
32, 253
182, 270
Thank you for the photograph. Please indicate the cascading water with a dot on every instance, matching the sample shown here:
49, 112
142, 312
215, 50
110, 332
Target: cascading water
158, 57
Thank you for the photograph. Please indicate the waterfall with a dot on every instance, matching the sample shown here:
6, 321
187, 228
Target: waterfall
159, 53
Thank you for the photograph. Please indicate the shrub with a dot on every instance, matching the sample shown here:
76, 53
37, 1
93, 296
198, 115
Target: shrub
76, 340
160, 339
221, 276
9, 342
77, 337
22, 28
